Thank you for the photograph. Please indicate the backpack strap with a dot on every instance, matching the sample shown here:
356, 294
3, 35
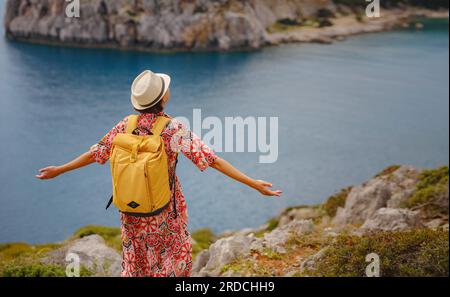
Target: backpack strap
132, 123
159, 125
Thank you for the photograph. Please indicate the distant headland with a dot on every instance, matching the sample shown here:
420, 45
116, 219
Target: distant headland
198, 25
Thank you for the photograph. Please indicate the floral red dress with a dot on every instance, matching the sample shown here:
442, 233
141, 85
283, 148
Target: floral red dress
159, 245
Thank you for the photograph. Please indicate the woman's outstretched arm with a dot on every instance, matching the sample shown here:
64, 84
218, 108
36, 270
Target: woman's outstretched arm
259, 185
53, 171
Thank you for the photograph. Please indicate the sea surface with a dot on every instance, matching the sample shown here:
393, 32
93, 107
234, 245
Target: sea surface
345, 112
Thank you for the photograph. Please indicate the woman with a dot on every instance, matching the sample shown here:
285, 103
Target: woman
159, 245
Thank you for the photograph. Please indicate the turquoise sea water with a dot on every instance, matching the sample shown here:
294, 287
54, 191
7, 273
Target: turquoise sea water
345, 111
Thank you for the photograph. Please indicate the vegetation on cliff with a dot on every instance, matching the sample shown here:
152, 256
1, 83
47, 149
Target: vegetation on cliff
24, 260
201, 240
407, 228
420, 252
435, 4
111, 235
431, 193
387, 215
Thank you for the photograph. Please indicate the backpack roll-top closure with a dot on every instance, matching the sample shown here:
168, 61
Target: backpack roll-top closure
145, 143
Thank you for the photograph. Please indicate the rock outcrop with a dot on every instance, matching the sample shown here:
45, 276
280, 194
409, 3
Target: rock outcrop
221, 253
387, 219
188, 24
277, 239
224, 251
393, 201
93, 253
386, 190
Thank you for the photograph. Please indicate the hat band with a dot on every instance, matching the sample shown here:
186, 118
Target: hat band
163, 86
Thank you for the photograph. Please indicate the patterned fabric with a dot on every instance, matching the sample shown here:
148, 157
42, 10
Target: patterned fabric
159, 245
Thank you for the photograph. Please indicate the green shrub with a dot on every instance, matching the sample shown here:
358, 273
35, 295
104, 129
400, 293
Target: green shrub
289, 22
14, 250
203, 238
111, 235
433, 177
352, 3
388, 170
37, 270
334, 202
33, 270
99, 230
272, 224
431, 192
421, 252
271, 254
393, 3
19, 259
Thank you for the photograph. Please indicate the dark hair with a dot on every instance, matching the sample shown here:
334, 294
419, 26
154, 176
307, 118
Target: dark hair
154, 109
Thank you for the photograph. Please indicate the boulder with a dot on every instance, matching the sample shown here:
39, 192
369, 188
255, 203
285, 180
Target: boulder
94, 255
226, 250
221, 253
392, 219
436, 223
303, 213
310, 262
276, 239
200, 261
245, 231
384, 190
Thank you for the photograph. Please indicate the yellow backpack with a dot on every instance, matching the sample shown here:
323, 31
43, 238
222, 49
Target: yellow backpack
139, 170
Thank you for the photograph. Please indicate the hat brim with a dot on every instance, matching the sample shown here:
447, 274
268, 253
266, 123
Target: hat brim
166, 79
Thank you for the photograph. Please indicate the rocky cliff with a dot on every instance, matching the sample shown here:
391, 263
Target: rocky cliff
191, 24
400, 215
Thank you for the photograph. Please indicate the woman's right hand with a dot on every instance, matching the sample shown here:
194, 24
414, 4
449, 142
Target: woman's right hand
48, 172
264, 188
259, 185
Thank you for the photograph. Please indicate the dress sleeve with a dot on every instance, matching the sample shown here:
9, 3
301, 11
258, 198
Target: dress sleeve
190, 145
101, 150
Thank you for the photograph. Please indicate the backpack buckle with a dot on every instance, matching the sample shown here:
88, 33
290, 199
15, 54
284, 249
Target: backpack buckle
134, 151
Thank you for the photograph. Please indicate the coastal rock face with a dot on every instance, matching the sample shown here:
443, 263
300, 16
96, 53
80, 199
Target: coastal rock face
396, 200
309, 263
304, 213
225, 251
385, 190
94, 255
392, 219
156, 24
221, 253
277, 238
194, 25
403, 212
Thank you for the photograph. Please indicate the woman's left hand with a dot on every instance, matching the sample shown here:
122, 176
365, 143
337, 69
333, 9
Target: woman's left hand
264, 188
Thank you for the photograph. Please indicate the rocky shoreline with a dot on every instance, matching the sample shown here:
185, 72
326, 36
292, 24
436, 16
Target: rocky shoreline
401, 215
199, 25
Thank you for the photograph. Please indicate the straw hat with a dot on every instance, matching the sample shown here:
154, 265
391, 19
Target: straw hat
148, 89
